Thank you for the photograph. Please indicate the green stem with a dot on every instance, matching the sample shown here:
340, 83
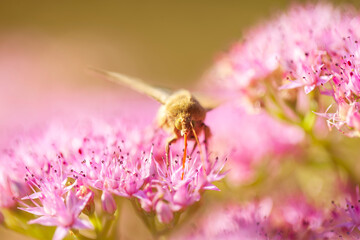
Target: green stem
108, 220
96, 223
307, 124
115, 222
338, 163
82, 237
284, 111
149, 223
157, 230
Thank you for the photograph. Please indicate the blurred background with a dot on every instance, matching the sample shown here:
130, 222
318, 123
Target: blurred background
46, 46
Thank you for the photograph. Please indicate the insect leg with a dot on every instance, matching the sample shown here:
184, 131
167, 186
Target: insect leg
207, 135
194, 147
169, 141
198, 143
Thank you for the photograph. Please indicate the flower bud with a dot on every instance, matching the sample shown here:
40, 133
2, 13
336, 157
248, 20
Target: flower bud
163, 212
108, 202
90, 205
181, 197
134, 183
18, 189
353, 117
354, 83
343, 108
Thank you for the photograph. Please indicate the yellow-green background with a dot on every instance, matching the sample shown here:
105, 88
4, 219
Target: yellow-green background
160, 41
165, 42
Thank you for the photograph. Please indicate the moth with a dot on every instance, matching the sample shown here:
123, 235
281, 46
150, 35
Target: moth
181, 114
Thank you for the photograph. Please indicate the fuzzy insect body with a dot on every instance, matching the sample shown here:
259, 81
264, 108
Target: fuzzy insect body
180, 114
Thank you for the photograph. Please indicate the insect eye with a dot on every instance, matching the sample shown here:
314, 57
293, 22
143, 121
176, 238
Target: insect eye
178, 123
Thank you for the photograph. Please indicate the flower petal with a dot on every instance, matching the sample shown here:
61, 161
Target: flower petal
60, 233
45, 220
82, 224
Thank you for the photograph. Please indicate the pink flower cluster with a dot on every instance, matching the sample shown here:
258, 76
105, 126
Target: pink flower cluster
64, 167
311, 46
293, 217
232, 221
55, 209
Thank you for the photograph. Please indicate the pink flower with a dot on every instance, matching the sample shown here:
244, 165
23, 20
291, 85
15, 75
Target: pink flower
50, 187
65, 216
233, 222
108, 202
54, 209
166, 185
100, 157
116, 159
283, 43
353, 116
295, 218
34, 153
346, 218
81, 192
308, 78
320, 51
164, 212
12, 173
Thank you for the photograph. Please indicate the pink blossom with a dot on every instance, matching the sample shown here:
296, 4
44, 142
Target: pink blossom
249, 221
292, 217
283, 43
346, 217
82, 192
54, 210
108, 202
295, 217
117, 160
344, 220
12, 173
65, 216
166, 185
353, 116
320, 51
164, 212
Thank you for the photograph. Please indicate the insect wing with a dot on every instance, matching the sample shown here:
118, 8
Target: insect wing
136, 84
